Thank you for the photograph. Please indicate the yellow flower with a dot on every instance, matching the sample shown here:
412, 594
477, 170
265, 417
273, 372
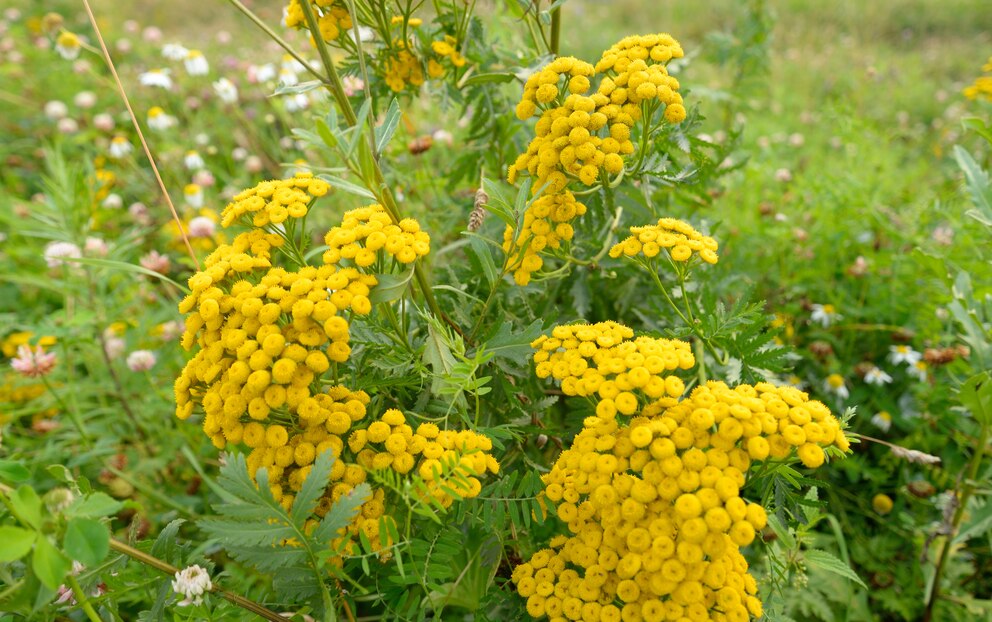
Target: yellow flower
882, 503
678, 237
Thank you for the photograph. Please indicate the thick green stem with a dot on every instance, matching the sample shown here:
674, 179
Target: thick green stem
158, 564
81, 599
967, 487
555, 30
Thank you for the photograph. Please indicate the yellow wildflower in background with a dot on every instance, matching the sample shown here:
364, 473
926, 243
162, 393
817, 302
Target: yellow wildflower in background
678, 237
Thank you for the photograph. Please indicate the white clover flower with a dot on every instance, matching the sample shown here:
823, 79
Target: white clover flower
191, 583
156, 77
193, 195
876, 376
141, 360
193, 161
56, 110
904, 354
202, 227
171, 330
159, 120
120, 148
68, 45
226, 91
68, 125
825, 315
114, 347
156, 262
103, 122
95, 247
84, 99
835, 384
113, 201
56, 253
882, 420
196, 63
174, 51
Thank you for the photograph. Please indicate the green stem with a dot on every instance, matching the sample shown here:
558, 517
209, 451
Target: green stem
158, 564
73, 415
81, 599
336, 87
966, 489
555, 29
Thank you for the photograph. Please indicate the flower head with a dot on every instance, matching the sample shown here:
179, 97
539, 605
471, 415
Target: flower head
56, 253
835, 384
226, 91
159, 120
156, 262
196, 63
193, 194
904, 354
202, 227
174, 51
33, 363
67, 45
156, 77
882, 420
882, 503
141, 360
192, 583
825, 315
919, 370
875, 375
193, 161
120, 147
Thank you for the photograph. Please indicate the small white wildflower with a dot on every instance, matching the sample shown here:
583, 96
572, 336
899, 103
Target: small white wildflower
196, 63
55, 110
174, 51
68, 45
288, 78
193, 195
141, 360
120, 148
904, 354
882, 421
95, 247
84, 99
56, 253
193, 161
156, 77
114, 347
113, 201
783, 175
226, 91
67, 125
295, 103
202, 227
825, 315
918, 370
261, 73
876, 376
159, 120
835, 384
191, 583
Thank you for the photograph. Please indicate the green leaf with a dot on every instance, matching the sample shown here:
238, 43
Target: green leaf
976, 395
979, 523
95, 505
123, 266
13, 471
826, 561
15, 542
341, 514
49, 564
977, 180
338, 183
481, 251
384, 133
296, 89
86, 541
781, 531
27, 505
60, 473
390, 286
325, 134
515, 346
977, 126
312, 488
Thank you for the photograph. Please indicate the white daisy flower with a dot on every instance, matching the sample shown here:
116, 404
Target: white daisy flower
192, 161
159, 120
120, 148
882, 421
196, 63
174, 51
919, 370
261, 73
825, 315
904, 354
288, 78
67, 45
156, 77
295, 103
226, 91
835, 384
876, 376
193, 195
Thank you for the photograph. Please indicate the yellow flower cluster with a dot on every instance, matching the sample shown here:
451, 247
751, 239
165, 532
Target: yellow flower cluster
276, 200
402, 67
446, 48
678, 236
982, 86
332, 17
601, 360
652, 504
546, 224
584, 134
367, 230
266, 336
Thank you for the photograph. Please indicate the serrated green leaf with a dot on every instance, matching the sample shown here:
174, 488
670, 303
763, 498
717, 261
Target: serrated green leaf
325, 133
95, 505
481, 251
49, 564
86, 541
975, 394
826, 561
15, 542
296, 89
781, 531
508, 344
312, 488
